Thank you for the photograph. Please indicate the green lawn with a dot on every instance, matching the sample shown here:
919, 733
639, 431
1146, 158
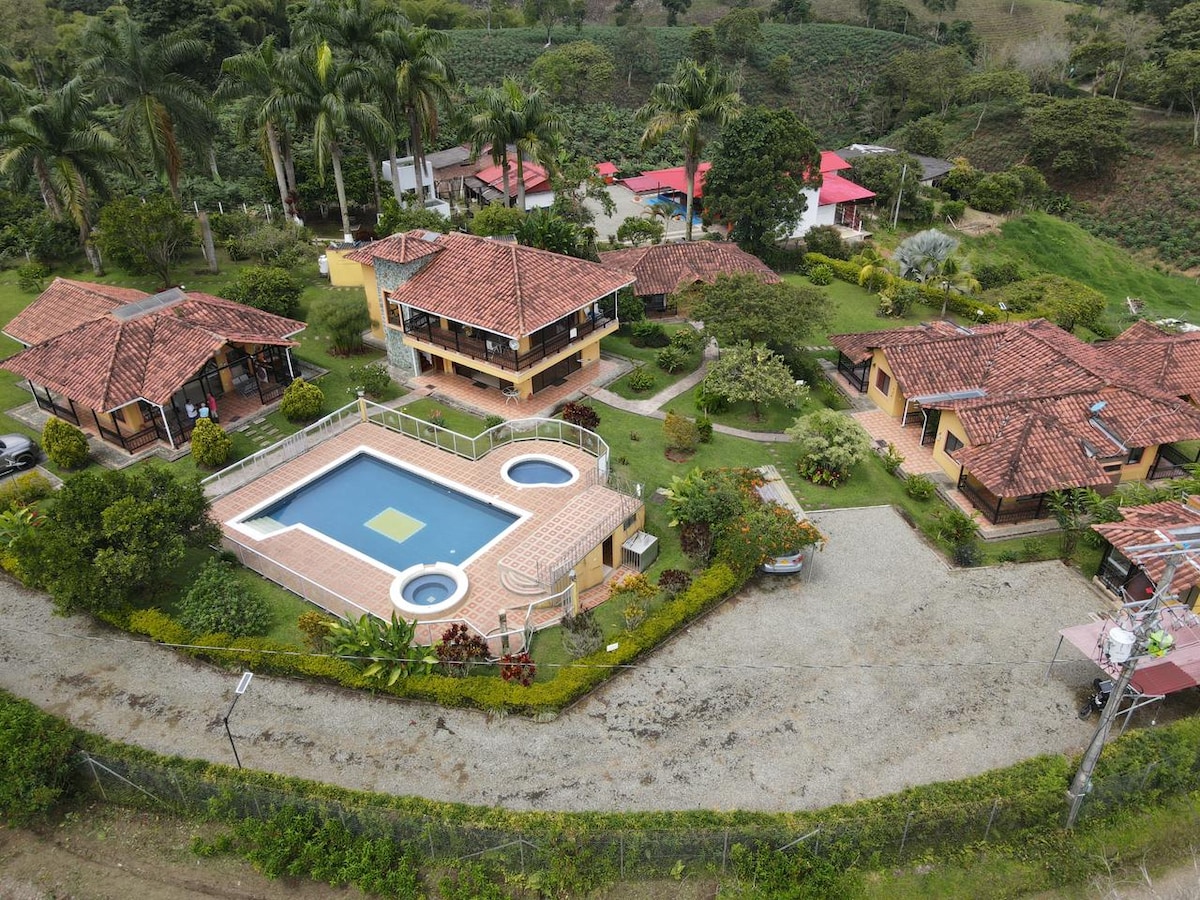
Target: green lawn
855, 309
454, 419
622, 344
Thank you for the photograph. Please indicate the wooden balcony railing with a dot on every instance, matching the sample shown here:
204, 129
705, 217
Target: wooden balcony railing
495, 350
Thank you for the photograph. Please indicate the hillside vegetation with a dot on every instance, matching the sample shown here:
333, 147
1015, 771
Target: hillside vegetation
999, 23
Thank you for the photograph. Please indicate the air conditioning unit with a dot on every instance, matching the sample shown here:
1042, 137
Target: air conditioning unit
640, 551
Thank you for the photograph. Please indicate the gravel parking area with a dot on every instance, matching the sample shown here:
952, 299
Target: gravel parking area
882, 670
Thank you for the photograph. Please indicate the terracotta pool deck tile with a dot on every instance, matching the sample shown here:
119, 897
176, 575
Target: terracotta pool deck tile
322, 572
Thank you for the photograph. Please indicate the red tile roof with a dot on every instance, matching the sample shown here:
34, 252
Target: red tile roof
1146, 524
666, 268
498, 286
399, 248
1169, 360
64, 305
108, 361
536, 179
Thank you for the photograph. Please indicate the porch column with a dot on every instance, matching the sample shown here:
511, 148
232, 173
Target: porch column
287, 354
222, 358
170, 439
133, 416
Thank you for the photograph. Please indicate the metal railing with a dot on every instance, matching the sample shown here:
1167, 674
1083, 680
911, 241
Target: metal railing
289, 578
494, 349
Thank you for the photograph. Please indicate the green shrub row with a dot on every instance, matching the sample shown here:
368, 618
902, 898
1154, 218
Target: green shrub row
482, 691
970, 308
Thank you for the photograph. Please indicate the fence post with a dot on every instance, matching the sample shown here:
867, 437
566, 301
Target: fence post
991, 819
621, 846
95, 775
725, 851
904, 837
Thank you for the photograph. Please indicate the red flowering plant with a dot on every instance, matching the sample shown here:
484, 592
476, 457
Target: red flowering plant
459, 648
518, 667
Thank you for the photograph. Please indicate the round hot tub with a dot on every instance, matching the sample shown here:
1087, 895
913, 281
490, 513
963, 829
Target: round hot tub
537, 470
429, 588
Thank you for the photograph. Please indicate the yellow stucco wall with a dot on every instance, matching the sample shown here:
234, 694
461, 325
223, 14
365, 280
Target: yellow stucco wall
1141, 470
343, 272
374, 304
892, 402
948, 423
590, 570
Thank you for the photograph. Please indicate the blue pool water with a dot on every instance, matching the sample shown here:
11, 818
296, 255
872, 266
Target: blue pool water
426, 590
538, 471
678, 208
414, 520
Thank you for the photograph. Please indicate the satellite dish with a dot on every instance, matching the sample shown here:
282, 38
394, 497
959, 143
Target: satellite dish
1097, 406
513, 344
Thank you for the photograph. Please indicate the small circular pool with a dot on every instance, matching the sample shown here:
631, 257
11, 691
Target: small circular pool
429, 588
535, 470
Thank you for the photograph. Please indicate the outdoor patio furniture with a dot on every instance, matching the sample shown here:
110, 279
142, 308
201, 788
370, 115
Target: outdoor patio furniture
511, 395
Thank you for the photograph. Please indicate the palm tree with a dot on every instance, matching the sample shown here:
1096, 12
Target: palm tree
258, 74
57, 143
160, 107
927, 257
421, 83
695, 101
536, 134
325, 95
493, 124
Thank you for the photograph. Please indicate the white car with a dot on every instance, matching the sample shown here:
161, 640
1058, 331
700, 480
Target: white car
17, 452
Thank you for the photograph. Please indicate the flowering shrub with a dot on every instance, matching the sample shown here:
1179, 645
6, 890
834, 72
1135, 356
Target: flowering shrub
641, 380
519, 668
459, 648
761, 533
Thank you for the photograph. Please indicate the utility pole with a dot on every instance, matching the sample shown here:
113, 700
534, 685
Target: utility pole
899, 194
237, 693
1144, 622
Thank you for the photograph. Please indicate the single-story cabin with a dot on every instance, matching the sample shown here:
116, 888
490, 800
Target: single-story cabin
1143, 526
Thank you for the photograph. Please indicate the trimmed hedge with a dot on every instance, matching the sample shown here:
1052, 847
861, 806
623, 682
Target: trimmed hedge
35, 765
966, 306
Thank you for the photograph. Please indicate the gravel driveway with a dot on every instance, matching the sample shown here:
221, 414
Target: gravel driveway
883, 670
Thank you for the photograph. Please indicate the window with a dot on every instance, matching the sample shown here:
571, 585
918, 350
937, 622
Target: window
1135, 455
952, 443
883, 382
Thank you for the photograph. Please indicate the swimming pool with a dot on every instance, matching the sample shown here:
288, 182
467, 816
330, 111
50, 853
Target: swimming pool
679, 209
393, 516
537, 470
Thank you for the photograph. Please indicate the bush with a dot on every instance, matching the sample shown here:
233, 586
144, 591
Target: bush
636, 229
281, 246
688, 340
345, 319
35, 760
492, 420
372, 379
22, 490
673, 581
519, 668
996, 274
892, 459
641, 380
649, 334
394, 218
158, 626
671, 359
580, 414
831, 444
268, 288
820, 275
65, 445
708, 401
952, 209
220, 603
496, 219
704, 429
996, 192
826, 240
211, 446
460, 649
315, 627
302, 402
680, 433
581, 634
31, 277
919, 487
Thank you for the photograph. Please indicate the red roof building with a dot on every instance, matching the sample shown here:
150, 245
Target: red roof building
664, 269
1016, 411
128, 364
491, 310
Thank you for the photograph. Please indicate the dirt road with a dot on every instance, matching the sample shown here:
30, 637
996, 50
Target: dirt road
883, 670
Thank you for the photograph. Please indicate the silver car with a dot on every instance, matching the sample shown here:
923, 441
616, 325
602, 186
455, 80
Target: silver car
17, 452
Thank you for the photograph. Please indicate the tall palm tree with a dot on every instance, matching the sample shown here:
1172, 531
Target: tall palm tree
697, 100
326, 96
58, 143
161, 108
493, 124
537, 132
258, 74
421, 84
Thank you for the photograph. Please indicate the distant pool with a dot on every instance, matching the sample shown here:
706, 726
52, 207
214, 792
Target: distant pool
678, 209
392, 515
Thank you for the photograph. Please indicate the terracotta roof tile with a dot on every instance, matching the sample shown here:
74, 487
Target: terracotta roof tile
66, 304
502, 287
106, 362
399, 248
1146, 524
1169, 360
666, 268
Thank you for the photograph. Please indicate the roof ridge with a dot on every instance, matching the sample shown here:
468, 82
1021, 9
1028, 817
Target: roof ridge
520, 299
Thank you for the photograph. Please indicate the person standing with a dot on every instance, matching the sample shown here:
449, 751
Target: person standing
212, 407
190, 409
203, 409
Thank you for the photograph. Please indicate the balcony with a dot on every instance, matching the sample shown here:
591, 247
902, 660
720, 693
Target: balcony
494, 349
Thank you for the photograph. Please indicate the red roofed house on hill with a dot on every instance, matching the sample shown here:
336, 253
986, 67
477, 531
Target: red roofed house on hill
125, 364
495, 312
831, 204
1016, 411
665, 269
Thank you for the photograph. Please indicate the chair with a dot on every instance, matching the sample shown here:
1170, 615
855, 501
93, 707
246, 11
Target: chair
511, 395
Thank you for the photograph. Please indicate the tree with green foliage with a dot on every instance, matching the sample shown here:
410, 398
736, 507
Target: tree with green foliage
302, 401
695, 101
1078, 138
161, 107
115, 537
344, 319
397, 217
741, 308
546, 230
738, 32
675, 8
546, 13
914, 83
638, 51
1183, 83
755, 374
57, 142
702, 45
219, 602
925, 136
762, 532
146, 235
36, 751
491, 126
211, 446
762, 164
779, 73
636, 229
680, 433
1008, 88
831, 444
891, 176
578, 72
497, 219
793, 12
65, 445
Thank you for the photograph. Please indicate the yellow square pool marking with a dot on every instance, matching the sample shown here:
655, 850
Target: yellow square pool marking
395, 524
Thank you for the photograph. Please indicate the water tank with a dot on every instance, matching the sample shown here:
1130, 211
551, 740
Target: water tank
323, 265
1120, 644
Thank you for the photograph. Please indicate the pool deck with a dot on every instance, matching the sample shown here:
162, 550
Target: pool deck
560, 517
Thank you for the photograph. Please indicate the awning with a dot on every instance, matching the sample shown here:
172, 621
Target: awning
1155, 676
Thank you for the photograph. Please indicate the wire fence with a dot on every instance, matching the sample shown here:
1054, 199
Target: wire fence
893, 837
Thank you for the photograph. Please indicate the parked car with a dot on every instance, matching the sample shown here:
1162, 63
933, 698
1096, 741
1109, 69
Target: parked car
17, 452
775, 490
